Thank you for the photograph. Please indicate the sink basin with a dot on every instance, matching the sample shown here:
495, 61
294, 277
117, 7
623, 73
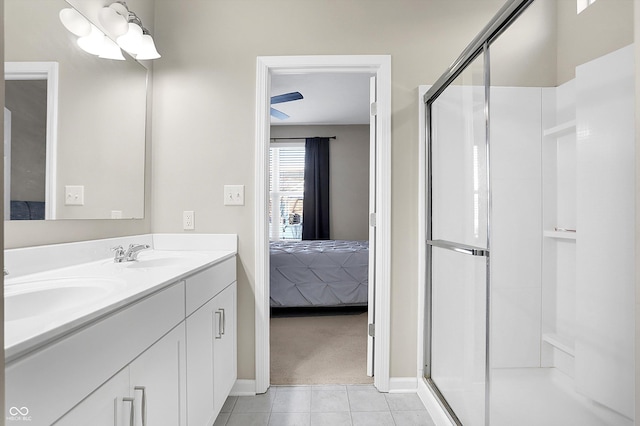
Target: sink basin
43, 297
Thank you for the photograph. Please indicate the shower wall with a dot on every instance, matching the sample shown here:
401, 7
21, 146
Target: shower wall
562, 246
516, 224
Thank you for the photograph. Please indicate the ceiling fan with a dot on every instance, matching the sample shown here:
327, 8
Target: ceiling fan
287, 97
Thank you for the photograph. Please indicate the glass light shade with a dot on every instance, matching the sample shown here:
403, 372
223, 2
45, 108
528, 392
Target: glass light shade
147, 49
120, 8
132, 40
114, 23
92, 43
75, 22
110, 50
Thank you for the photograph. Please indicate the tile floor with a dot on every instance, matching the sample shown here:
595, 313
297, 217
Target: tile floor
331, 405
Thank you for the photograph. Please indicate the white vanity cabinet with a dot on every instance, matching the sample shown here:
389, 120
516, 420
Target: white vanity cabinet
211, 341
52, 380
149, 391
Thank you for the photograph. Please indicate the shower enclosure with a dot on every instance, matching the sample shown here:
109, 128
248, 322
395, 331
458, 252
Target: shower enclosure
530, 221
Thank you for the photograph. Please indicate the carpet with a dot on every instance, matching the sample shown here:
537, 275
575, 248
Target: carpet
327, 349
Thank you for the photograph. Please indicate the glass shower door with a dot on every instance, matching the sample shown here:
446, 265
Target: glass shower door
457, 253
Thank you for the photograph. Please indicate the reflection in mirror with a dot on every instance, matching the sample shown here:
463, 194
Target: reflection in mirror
88, 162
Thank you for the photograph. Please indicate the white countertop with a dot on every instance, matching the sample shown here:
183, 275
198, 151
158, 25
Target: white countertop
121, 284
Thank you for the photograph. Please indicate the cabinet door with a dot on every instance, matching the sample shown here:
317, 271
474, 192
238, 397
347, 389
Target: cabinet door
224, 345
200, 337
158, 382
109, 405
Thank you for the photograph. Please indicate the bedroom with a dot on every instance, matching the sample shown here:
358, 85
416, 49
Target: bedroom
319, 288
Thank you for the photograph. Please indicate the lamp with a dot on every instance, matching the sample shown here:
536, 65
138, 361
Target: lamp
132, 39
74, 22
93, 42
120, 24
147, 47
136, 39
110, 50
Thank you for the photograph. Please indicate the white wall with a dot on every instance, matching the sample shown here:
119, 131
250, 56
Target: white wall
349, 181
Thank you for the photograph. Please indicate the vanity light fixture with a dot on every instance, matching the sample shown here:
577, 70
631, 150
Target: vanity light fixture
120, 24
128, 30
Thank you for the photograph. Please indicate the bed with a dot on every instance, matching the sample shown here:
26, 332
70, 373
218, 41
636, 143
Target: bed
26, 210
325, 273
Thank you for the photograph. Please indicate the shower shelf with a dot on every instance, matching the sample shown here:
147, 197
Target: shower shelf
565, 344
560, 129
566, 235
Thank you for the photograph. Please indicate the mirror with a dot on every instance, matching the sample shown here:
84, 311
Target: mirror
77, 129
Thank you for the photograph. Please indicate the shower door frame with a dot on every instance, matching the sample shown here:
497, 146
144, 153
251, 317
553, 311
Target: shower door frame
480, 45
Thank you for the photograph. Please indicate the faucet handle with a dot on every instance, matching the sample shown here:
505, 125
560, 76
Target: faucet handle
118, 253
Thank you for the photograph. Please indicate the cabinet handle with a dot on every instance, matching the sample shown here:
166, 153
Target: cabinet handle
132, 416
219, 335
144, 403
224, 322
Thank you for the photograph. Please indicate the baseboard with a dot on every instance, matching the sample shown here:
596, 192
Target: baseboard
438, 414
243, 388
403, 385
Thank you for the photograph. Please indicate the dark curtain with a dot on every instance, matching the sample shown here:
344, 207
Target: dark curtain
315, 210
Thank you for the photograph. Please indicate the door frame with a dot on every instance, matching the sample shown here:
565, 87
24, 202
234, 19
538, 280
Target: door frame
380, 65
47, 71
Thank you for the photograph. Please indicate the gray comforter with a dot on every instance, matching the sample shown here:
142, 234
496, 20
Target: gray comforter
319, 273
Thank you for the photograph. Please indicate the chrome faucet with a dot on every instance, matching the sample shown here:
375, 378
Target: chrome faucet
129, 255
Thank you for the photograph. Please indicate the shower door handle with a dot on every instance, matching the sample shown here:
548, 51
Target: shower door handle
459, 248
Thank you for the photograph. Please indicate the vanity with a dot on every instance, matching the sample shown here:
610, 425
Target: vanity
151, 341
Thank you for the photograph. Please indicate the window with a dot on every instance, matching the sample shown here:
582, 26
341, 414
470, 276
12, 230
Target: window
286, 191
583, 4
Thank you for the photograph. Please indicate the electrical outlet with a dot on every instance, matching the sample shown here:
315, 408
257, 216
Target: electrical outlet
234, 195
188, 220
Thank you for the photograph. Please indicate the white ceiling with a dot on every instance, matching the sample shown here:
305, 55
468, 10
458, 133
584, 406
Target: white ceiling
329, 98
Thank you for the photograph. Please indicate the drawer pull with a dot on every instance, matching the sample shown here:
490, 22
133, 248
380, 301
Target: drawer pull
219, 327
133, 410
144, 403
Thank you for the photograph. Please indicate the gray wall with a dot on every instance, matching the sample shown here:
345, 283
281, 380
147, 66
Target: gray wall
603, 27
349, 182
636, 6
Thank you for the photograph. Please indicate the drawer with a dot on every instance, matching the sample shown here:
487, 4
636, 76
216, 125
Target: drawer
202, 286
52, 380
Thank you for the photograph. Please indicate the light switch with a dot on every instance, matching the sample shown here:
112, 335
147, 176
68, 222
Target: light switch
234, 195
74, 195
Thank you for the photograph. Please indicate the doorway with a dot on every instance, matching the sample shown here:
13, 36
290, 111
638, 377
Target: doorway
32, 89
374, 65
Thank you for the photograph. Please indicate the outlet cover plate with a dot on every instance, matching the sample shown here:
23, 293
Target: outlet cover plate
188, 220
234, 195
74, 195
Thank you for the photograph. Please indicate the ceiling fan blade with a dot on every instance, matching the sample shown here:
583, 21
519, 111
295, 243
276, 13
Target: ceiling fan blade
287, 97
278, 114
